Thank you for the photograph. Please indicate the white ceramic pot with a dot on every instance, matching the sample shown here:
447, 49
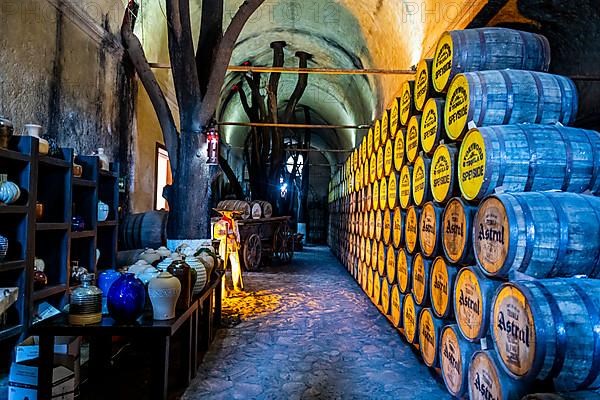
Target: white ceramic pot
163, 251
35, 131
150, 256
164, 291
148, 274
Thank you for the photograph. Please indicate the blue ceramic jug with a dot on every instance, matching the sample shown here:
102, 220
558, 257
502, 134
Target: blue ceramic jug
126, 298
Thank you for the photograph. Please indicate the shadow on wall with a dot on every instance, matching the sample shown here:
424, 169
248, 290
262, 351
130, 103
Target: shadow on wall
574, 35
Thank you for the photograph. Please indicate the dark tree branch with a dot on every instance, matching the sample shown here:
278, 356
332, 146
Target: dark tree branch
244, 100
272, 110
137, 56
233, 180
183, 63
211, 31
300, 86
223, 57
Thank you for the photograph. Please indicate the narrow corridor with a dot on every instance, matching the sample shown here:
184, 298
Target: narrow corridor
307, 331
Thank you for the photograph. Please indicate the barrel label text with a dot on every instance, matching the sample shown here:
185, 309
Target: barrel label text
456, 108
468, 302
492, 230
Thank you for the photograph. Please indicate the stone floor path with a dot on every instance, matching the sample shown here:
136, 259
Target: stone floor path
307, 331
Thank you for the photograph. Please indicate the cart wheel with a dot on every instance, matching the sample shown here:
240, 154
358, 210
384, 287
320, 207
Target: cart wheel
283, 244
252, 252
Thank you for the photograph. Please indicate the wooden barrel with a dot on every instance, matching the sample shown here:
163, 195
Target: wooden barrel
390, 265
378, 225
399, 149
549, 330
386, 235
385, 126
457, 229
423, 85
413, 138
541, 234
376, 135
432, 129
383, 191
369, 197
236, 205
370, 276
370, 143
368, 252
508, 97
411, 229
375, 194
374, 255
421, 276
455, 354
487, 49
443, 176
396, 300
405, 195
430, 329
430, 229
394, 117
365, 232
385, 297
144, 230
523, 158
488, 381
376, 289
410, 319
473, 294
380, 162
373, 167
407, 104
441, 288
361, 249
404, 271
366, 173
388, 157
398, 227
392, 194
421, 189
364, 278
381, 253
255, 211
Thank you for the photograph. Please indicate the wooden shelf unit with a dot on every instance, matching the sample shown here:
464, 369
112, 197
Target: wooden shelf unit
50, 180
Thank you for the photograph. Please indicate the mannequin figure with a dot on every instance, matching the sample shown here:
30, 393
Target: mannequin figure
226, 230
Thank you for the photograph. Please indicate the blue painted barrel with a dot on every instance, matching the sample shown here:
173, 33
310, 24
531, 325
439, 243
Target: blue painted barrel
430, 329
508, 97
541, 234
487, 49
404, 271
487, 380
549, 329
528, 157
457, 222
455, 355
421, 276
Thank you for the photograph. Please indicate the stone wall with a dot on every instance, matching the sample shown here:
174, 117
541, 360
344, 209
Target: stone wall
61, 66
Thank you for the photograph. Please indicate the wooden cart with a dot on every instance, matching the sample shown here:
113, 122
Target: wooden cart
270, 237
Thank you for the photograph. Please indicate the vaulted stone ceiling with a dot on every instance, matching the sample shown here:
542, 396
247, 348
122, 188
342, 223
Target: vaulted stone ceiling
383, 34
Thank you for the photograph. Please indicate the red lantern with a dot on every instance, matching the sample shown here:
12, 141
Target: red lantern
212, 141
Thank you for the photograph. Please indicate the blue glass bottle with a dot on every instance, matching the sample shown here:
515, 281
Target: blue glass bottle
126, 298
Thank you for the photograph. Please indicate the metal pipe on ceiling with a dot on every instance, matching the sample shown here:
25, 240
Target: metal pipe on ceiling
293, 126
296, 70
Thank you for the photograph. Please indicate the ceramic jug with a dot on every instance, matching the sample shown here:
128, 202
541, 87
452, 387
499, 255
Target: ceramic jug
164, 291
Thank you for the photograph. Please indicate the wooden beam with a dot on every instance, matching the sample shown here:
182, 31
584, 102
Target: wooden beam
293, 126
301, 150
296, 70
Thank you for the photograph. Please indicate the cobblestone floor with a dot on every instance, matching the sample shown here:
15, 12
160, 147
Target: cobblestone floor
307, 331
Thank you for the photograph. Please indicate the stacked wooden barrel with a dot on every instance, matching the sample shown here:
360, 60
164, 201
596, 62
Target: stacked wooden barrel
469, 208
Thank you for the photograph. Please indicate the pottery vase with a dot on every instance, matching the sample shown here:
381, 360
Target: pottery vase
163, 252
40, 279
9, 191
85, 305
77, 224
164, 292
126, 298
3, 247
201, 277
105, 281
182, 271
35, 130
150, 256
104, 161
103, 211
6, 132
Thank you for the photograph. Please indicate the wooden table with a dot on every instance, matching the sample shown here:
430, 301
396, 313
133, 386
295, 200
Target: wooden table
197, 321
